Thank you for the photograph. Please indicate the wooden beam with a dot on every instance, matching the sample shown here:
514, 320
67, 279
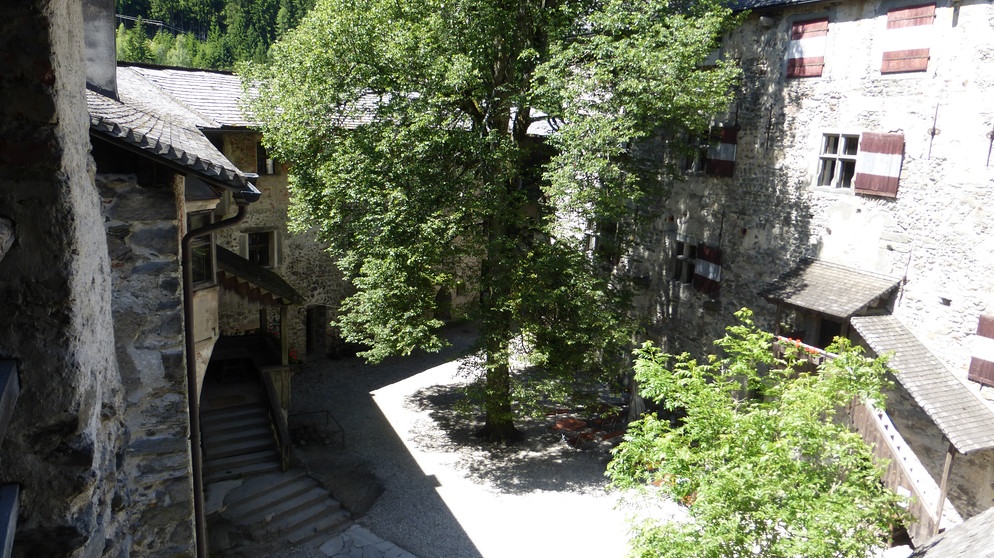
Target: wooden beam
944, 487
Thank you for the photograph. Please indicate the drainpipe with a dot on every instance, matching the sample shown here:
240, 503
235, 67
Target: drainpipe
199, 513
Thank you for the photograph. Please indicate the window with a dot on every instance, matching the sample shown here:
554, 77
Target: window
201, 249
696, 155
264, 163
721, 152
908, 39
261, 247
806, 49
601, 241
878, 165
684, 259
707, 270
869, 163
837, 162
982, 360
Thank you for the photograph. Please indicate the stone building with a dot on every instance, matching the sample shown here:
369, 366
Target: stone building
848, 191
211, 101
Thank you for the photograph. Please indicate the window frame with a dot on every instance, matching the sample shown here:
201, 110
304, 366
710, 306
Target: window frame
202, 248
837, 182
273, 252
684, 260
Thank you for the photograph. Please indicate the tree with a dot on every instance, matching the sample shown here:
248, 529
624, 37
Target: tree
407, 128
133, 44
756, 453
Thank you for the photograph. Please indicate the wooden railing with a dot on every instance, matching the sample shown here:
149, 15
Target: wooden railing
276, 408
904, 472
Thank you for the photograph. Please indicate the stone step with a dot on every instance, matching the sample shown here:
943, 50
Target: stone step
314, 499
304, 520
219, 450
260, 432
250, 500
239, 466
242, 471
318, 531
233, 413
208, 428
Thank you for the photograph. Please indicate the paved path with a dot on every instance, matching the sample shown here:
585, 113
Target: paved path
357, 542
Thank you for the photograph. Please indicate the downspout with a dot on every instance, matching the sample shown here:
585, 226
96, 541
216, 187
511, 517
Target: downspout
193, 400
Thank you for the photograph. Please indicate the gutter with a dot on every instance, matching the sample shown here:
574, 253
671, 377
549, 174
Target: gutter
242, 198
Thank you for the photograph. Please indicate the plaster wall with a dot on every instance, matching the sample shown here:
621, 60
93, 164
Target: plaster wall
66, 436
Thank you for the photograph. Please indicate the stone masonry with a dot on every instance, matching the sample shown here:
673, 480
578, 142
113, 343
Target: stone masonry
65, 440
936, 234
143, 231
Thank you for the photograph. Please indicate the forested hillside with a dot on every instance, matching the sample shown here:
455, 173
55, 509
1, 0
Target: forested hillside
203, 33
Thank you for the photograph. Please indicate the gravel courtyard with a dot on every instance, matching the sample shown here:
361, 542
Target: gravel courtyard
414, 475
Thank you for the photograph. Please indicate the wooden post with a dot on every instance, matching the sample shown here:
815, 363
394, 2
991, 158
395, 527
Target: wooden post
944, 487
284, 343
263, 321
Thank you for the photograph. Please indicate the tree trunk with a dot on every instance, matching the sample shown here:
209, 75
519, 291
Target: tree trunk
499, 426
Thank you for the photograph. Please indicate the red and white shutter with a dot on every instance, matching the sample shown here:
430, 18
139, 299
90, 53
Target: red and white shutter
982, 361
721, 153
806, 49
878, 164
908, 39
707, 270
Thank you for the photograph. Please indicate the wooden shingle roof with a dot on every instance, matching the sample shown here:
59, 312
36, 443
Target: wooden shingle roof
959, 413
831, 289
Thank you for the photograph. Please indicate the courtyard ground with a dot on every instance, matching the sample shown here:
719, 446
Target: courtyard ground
385, 439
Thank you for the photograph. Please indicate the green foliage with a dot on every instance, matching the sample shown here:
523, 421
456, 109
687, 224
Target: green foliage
406, 126
758, 454
211, 34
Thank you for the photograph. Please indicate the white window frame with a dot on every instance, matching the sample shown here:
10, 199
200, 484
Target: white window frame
836, 167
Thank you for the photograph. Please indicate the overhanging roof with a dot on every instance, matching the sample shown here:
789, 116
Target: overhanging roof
253, 281
160, 137
831, 289
962, 417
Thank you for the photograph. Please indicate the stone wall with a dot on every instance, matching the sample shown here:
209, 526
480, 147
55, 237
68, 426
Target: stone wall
936, 233
65, 439
144, 228
303, 260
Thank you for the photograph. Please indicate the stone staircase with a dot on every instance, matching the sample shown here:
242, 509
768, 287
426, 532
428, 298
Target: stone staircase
289, 506
238, 442
256, 499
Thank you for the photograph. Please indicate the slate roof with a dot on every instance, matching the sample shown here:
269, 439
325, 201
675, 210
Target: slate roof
201, 98
742, 5
235, 270
832, 289
971, 538
158, 135
965, 420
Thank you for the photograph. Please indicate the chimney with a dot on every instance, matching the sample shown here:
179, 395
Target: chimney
100, 50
